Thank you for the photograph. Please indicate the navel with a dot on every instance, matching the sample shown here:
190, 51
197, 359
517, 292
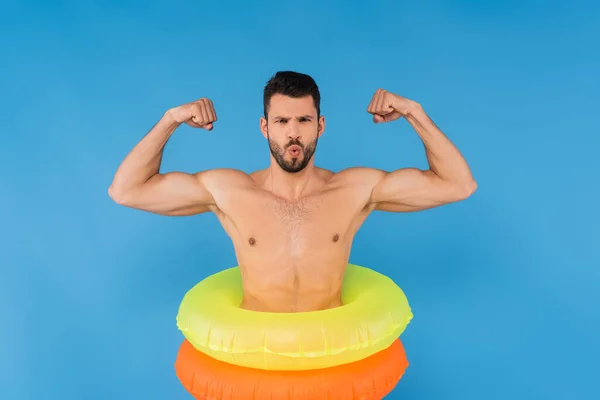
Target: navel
335, 238
252, 241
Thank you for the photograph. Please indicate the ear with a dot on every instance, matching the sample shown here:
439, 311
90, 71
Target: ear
321, 127
263, 127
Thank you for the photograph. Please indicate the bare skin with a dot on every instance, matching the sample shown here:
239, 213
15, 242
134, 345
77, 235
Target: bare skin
292, 231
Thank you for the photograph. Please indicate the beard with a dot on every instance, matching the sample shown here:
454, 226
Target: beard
296, 164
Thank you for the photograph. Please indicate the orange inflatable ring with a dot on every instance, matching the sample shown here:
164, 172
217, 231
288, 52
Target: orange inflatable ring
371, 378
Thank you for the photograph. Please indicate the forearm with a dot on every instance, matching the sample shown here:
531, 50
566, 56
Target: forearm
145, 158
444, 159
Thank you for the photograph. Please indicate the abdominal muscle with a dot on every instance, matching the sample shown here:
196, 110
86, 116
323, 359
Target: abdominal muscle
292, 270
292, 286
289, 301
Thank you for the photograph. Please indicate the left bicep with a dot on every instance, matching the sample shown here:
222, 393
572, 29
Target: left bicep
411, 189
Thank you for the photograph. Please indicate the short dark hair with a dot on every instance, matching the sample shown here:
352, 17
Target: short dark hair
293, 84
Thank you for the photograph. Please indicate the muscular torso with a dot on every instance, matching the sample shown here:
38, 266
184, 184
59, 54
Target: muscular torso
292, 254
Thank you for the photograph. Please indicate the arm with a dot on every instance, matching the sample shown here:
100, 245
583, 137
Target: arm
448, 178
139, 184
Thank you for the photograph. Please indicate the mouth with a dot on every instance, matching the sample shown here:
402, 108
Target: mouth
294, 150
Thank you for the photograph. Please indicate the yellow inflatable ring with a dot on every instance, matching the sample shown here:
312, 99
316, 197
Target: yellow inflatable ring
374, 313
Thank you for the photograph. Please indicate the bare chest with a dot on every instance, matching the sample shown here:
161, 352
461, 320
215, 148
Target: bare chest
312, 224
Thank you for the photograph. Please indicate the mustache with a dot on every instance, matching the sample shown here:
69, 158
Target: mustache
294, 142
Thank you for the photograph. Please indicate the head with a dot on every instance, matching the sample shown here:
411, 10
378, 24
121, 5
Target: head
292, 121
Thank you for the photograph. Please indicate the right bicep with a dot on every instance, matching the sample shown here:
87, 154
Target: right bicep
172, 194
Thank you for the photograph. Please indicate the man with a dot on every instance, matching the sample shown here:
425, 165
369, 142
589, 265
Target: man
292, 224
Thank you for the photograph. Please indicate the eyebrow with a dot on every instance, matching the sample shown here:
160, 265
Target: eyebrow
298, 117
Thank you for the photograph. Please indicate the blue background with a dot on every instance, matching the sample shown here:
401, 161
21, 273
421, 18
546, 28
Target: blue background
504, 286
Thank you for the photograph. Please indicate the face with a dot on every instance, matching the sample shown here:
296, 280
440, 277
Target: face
293, 131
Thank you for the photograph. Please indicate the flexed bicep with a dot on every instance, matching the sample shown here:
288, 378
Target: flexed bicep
172, 194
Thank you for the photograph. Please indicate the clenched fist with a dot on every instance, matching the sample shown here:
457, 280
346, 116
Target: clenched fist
386, 106
197, 114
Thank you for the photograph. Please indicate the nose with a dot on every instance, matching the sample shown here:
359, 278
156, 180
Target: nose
293, 131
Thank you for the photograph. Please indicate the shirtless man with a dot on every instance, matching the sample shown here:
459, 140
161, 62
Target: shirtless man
292, 224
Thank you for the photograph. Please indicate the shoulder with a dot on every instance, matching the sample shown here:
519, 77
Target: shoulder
358, 176
358, 183
223, 177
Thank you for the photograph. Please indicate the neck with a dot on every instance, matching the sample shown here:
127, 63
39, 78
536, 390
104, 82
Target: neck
290, 186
